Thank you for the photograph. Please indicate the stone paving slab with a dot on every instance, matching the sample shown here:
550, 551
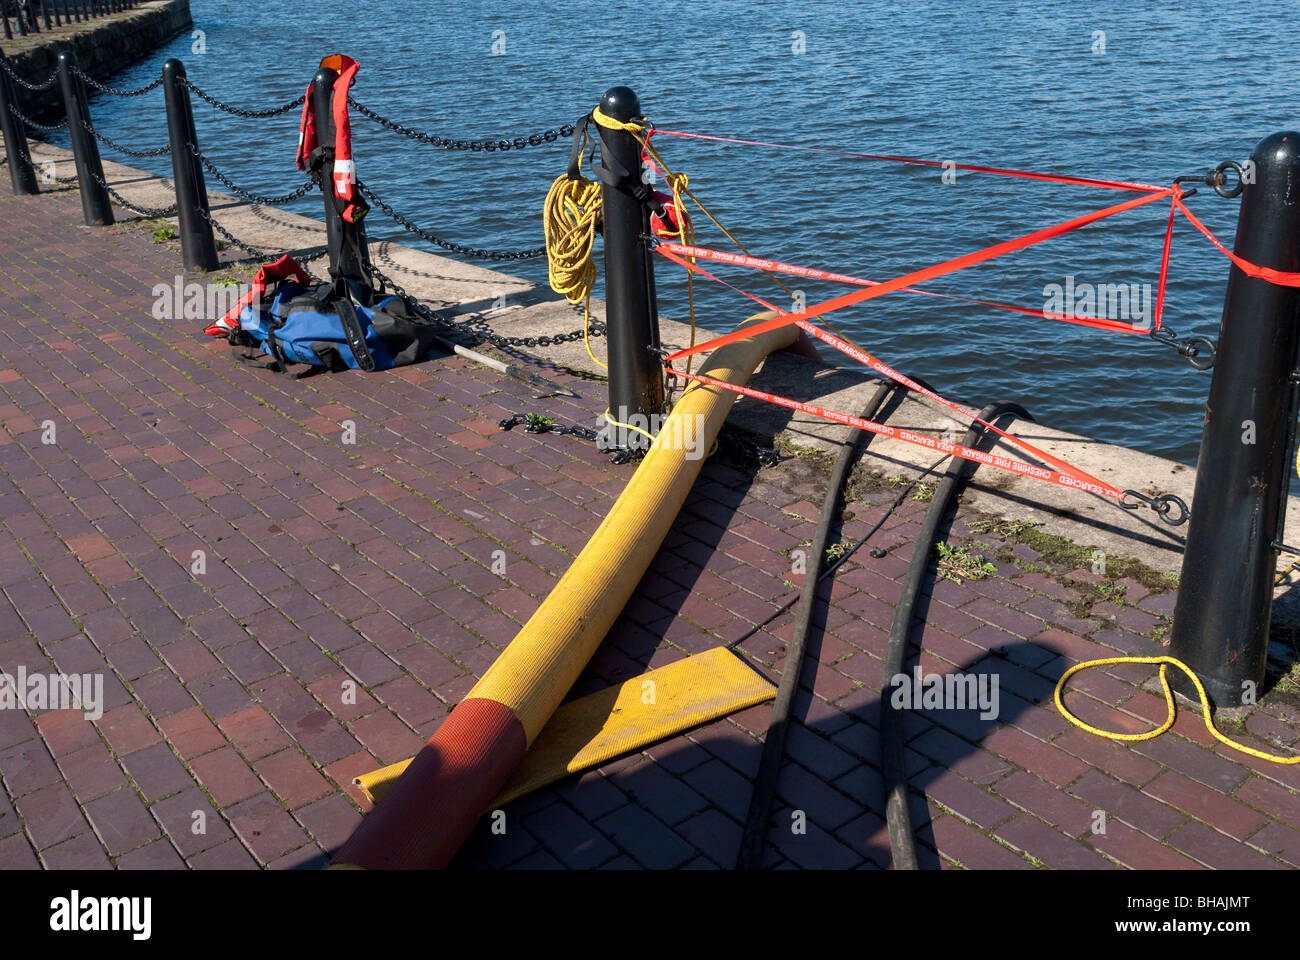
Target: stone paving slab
275, 610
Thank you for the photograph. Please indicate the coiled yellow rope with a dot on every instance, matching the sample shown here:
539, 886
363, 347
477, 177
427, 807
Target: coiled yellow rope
569, 220
1165, 663
569, 223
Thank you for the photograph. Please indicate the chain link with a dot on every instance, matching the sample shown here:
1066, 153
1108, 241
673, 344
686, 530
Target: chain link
32, 123
114, 92
478, 329
246, 114
161, 151
477, 146
474, 252
37, 87
26, 157
246, 195
235, 241
153, 213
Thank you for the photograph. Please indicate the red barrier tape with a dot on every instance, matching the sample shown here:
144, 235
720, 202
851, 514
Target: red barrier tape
1000, 171
775, 266
1279, 277
1082, 480
927, 273
932, 443
1064, 474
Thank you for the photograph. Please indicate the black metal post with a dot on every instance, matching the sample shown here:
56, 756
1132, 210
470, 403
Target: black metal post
344, 238
198, 248
631, 309
1221, 619
21, 174
95, 206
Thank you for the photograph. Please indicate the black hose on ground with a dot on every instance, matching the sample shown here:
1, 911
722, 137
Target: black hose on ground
902, 841
769, 767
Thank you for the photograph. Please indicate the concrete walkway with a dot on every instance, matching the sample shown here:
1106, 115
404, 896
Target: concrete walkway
275, 609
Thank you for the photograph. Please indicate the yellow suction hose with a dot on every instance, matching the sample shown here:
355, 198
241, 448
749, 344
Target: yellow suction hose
434, 804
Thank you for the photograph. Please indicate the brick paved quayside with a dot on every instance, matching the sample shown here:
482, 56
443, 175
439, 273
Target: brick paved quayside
369, 566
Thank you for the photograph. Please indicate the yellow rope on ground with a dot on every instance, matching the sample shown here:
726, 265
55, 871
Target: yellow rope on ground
1165, 663
609, 418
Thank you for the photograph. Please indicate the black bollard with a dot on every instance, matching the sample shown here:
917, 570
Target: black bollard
95, 205
344, 238
198, 248
631, 310
21, 174
1221, 618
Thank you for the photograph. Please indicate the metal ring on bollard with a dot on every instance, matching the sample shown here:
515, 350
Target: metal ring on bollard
1170, 508
1218, 180
1165, 505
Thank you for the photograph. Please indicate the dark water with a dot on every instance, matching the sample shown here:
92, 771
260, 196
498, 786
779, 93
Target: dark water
1178, 88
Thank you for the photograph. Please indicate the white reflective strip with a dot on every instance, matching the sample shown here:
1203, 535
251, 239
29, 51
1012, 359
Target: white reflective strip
345, 166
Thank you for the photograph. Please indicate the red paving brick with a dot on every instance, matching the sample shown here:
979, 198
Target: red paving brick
346, 610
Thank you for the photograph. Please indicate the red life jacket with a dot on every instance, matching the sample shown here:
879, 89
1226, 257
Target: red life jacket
345, 171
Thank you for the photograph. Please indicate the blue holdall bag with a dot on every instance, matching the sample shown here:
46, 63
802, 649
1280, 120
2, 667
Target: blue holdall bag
342, 325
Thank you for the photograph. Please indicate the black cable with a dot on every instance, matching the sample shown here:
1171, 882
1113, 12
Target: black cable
769, 765
902, 841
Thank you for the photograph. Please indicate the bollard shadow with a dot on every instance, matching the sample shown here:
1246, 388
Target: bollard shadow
1283, 658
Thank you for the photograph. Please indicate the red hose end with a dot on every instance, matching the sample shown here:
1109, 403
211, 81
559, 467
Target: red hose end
428, 813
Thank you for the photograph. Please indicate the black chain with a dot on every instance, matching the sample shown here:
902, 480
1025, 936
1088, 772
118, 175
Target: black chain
246, 195
153, 213
314, 256
474, 252
112, 91
477, 146
235, 241
38, 87
161, 151
246, 114
254, 251
537, 423
32, 123
478, 329
26, 157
